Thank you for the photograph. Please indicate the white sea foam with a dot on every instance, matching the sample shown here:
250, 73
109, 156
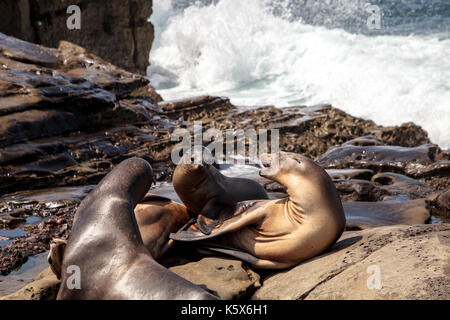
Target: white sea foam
241, 50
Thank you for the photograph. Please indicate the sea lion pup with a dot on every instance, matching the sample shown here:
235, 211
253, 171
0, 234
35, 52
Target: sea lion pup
277, 234
206, 192
106, 247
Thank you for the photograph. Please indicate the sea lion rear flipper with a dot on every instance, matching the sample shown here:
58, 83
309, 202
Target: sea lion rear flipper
248, 258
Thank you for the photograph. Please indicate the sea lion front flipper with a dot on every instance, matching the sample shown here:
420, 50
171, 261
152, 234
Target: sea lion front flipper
239, 220
247, 257
56, 255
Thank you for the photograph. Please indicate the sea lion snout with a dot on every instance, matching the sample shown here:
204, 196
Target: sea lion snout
269, 164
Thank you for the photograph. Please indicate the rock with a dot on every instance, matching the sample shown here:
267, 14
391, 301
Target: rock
364, 174
228, 279
44, 287
203, 108
124, 23
377, 157
308, 130
412, 263
401, 185
67, 117
439, 203
362, 215
360, 190
6, 220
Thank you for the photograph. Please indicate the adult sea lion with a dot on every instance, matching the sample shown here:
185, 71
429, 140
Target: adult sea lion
276, 234
107, 249
206, 192
157, 217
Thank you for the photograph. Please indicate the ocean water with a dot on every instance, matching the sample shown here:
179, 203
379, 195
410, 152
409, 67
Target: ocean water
384, 60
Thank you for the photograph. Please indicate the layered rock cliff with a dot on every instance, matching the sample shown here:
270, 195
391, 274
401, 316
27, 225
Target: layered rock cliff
117, 31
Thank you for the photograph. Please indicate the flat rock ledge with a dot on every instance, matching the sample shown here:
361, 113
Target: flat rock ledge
396, 262
228, 279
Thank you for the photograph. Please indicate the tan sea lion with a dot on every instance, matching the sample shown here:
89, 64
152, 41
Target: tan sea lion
105, 251
158, 217
276, 234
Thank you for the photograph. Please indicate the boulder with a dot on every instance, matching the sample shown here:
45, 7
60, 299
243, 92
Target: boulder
226, 278
396, 262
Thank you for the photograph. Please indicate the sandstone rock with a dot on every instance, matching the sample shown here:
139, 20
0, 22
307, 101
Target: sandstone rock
412, 262
228, 279
122, 22
360, 190
74, 111
44, 287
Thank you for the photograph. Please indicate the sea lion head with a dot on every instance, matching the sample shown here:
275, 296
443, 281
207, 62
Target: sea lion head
282, 165
197, 183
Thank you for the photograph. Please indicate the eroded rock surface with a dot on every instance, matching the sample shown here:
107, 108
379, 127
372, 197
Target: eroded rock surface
412, 262
44, 287
227, 278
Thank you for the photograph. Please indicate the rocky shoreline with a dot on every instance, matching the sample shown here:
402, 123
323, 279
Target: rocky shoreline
67, 117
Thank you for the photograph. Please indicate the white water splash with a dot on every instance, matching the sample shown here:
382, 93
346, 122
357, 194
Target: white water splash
241, 50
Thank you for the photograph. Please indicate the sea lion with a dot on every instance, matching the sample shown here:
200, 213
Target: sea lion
158, 217
206, 192
106, 248
277, 234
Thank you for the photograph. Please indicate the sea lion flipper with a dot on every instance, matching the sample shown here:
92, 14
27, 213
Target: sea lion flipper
248, 258
56, 255
239, 221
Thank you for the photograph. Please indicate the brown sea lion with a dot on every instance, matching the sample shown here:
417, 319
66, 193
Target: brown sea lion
106, 248
157, 217
276, 234
206, 192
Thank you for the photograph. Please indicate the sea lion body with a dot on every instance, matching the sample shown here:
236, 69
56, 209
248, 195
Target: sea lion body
157, 217
105, 245
276, 234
